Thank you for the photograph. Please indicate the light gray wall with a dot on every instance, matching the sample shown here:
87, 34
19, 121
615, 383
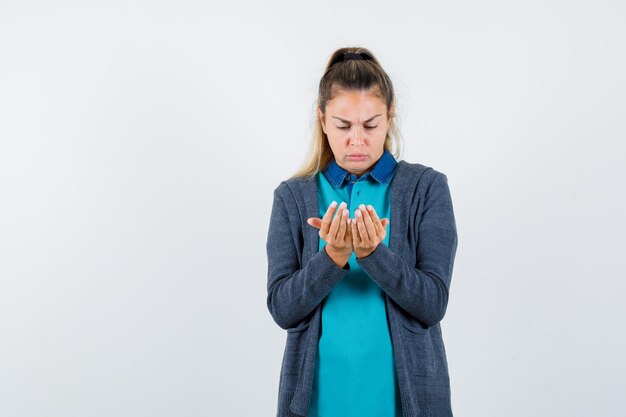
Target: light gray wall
140, 143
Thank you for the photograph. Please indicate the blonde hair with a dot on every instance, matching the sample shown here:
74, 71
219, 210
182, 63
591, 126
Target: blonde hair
349, 75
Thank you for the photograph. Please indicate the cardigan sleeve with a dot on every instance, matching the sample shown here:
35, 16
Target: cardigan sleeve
293, 290
421, 290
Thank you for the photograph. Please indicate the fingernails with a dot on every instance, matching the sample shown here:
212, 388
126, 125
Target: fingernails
343, 204
370, 207
358, 213
333, 204
345, 213
362, 206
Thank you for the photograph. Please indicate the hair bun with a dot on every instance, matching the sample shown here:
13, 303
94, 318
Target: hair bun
346, 56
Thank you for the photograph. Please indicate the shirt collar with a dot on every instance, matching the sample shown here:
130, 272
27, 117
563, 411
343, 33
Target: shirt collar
381, 172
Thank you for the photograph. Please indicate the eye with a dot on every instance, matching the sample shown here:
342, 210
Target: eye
346, 127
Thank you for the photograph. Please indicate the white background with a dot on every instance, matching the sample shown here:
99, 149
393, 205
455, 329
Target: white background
141, 141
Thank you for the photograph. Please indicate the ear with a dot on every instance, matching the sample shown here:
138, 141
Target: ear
320, 116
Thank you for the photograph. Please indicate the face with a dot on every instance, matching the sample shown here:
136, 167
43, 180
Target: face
356, 124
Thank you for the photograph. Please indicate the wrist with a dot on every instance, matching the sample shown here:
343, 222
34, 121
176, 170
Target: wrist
362, 255
340, 258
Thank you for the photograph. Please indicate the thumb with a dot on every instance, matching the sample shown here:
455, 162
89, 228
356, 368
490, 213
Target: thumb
315, 222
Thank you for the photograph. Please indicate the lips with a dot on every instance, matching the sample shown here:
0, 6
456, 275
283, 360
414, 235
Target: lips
357, 154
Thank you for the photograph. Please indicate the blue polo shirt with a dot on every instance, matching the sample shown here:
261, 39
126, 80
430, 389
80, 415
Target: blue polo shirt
355, 373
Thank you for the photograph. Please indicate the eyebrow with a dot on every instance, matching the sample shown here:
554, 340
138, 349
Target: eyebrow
348, 121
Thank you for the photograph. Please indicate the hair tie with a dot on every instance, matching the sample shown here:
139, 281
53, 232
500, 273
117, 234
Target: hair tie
352, 55
346, 56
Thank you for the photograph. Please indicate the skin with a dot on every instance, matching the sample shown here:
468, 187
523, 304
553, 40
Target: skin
354, 122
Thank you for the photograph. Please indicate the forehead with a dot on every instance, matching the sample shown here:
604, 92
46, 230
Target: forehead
356, 101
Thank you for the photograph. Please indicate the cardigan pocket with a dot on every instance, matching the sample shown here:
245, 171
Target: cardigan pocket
419, 349
295, 349
299, 328
414, 326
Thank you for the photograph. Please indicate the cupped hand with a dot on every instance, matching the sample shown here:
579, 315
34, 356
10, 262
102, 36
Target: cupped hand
367, 231
335, 232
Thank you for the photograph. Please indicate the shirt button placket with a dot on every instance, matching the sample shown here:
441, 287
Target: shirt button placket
355, 189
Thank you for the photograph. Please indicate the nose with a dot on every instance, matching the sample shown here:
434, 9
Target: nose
356, 138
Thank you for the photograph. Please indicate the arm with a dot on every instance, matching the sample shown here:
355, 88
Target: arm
422, 290
294, 291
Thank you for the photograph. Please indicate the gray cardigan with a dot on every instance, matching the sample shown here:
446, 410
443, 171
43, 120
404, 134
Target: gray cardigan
414, 272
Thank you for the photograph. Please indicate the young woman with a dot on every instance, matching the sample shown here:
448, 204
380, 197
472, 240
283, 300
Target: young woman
362, 307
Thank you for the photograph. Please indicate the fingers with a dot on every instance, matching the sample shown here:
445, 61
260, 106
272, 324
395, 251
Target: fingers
315, 222
356, 237
333, 233
326, 219
372, 231
365, 229
378, 225
370, 227
361, 226
341, 234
